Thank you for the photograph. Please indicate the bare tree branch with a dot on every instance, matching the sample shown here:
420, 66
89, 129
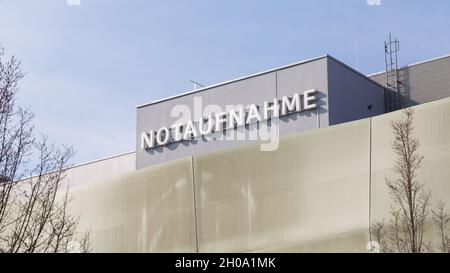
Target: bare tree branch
441, 220
411, 199
34, 211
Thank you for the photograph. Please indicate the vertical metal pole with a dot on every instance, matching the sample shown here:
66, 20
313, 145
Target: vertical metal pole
318, 117
370, 182
396, 75
387, 95
391, 96
195, 204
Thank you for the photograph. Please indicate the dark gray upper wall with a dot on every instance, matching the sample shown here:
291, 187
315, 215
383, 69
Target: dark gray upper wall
351, 94
423, 82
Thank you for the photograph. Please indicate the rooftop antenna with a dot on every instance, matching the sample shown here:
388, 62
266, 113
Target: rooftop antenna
196, 85
391, 49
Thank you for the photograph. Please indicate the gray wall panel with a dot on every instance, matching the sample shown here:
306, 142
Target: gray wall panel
253, 90
298, 79
351, 94
344, 95
424, 82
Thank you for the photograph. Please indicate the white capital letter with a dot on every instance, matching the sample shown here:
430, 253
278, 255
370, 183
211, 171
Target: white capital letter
309, 99
163, 136
290, 105
177, 129
209, 127
221, 119
190, 132
271, 109
147, 140
236, 117
253, 114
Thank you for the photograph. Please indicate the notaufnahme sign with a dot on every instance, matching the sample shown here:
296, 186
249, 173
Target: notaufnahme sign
238, 117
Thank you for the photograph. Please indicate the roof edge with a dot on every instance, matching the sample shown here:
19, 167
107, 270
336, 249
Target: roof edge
233, 80
413, 64
80, 164
357, 72
99, 160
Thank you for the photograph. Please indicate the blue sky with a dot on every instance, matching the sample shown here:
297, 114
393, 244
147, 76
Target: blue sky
89, 65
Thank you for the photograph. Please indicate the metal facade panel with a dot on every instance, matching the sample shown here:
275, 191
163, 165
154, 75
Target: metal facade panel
254, 90
311, 195
150, 210
248, 200
424, 82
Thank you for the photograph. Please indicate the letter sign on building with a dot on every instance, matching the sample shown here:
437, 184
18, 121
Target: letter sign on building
230, 119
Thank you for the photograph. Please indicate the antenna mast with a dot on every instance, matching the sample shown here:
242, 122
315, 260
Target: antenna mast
196, 85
